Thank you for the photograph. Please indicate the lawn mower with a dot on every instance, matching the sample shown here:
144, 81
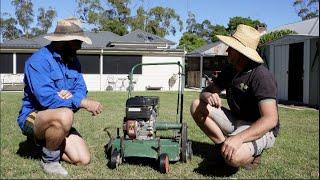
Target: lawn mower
140, 126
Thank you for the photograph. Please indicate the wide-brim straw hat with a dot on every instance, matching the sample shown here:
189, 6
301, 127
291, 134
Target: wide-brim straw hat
245, 40
68, 30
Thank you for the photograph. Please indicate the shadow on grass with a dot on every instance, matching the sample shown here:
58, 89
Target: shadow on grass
28, 149
149, 162
209, 166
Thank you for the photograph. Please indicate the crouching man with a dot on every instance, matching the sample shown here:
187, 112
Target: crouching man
54, 91
251, 125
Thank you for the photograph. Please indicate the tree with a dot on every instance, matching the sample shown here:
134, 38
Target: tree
112, 19
235, 21
8, 28
163, 21
191, 41
45, 18
117, 17
191, 23
89, 11
274, 35
217, 30
138, 21
307, 9
203, 30
24, 14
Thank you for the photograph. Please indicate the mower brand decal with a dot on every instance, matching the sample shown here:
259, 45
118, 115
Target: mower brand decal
134, 109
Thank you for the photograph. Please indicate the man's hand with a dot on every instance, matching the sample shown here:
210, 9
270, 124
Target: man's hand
211, 98
230, 147
65, 94
92, 106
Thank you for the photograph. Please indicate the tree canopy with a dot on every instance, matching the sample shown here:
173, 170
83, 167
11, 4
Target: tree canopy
191, 41
21, 25
115, 16
307, 9
208, 31
118, 17
275, 35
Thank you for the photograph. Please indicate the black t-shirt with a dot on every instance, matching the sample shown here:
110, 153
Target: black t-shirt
246, 89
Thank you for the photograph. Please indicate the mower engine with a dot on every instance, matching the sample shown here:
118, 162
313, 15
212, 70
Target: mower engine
141, 117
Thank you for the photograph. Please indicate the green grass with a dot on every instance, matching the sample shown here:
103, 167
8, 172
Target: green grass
295, 154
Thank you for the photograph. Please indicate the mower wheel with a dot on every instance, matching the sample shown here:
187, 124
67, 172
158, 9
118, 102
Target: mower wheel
114, 160
109, 149
184, 142
164, 163
190, 152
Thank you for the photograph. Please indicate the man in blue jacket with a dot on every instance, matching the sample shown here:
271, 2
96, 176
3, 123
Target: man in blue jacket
54, 91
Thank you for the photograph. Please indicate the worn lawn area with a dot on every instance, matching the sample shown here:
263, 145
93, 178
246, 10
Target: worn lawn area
295, 155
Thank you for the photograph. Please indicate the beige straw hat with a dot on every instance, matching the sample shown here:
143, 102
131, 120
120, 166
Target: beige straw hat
245, 40
67, 30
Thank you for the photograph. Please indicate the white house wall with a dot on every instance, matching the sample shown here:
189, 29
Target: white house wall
158, 75
154, 76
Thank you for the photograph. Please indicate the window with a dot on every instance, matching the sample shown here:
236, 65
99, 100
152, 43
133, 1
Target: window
6, 63
21, 59
121, 64
90, 64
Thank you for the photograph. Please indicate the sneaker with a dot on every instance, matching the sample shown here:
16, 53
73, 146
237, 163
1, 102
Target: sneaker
254, 164
53, 168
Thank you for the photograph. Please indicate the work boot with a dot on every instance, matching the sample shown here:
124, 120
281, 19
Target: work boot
53, 168
253, 164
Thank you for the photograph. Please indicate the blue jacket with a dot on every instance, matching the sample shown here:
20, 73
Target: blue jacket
45, 75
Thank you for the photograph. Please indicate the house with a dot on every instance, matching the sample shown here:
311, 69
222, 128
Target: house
294, 61
205, 62
105, 64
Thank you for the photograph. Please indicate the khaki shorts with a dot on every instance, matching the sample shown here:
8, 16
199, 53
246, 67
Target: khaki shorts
29, 124
230, 126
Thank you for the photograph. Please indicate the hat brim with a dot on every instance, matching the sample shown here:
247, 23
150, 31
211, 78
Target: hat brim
68, 38
235, 44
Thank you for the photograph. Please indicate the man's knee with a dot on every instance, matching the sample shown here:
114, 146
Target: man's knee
84, 160
235, 162
241, 158
194, 105
199, 110
65, 117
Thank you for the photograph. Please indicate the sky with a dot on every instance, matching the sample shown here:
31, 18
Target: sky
274, 13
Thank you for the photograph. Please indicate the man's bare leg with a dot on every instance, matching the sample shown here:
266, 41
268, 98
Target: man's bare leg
53, 125
200, 113
75, 150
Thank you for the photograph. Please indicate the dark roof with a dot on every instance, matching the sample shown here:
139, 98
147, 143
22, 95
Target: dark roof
139, 36
23, 42
99, 40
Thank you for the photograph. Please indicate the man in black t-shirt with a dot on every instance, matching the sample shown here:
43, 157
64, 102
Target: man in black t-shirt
251, 125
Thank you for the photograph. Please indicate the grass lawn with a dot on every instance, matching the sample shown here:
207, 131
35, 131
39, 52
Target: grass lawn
295, 154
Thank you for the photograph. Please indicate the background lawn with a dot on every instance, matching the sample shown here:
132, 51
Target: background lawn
295, 155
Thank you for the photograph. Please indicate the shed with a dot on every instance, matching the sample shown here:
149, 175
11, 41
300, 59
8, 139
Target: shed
205, 62
294, 61
105, 64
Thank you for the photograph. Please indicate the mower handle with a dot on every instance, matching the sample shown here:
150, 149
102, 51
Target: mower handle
180, 88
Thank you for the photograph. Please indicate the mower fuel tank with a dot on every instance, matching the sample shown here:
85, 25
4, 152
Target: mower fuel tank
141, 107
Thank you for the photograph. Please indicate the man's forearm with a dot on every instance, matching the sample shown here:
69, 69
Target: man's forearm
83, 103
212, 89
257, 129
